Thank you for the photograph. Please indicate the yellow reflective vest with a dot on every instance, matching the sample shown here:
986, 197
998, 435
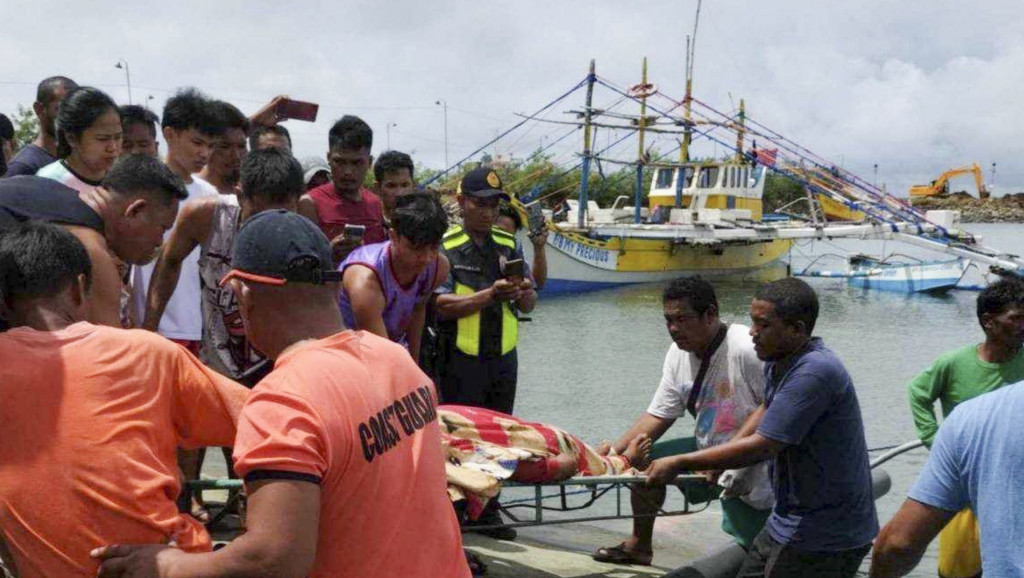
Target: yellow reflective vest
494, 330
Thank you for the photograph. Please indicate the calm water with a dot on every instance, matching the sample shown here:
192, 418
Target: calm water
591, 363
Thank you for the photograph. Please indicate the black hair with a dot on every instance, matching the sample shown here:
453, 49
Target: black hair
46, 91
191, 109
40, 260
254, 138
141, 174
228, 115
78, 112
698, 293
794, 301
135, 114
420, 218
507, 210
272, 174
392, 162
350, 133
6, 128
998, 297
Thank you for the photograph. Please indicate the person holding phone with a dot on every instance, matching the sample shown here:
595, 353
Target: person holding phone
386, 286
511, 221
344, 200
477, 304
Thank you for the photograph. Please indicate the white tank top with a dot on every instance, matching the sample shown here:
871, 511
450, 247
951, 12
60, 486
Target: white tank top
225, 347
183, 317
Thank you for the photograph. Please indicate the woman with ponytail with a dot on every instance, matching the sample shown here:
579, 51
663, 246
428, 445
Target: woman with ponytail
88, 139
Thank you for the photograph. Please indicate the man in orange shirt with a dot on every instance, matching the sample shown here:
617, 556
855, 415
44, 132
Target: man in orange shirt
339, 446
91, 416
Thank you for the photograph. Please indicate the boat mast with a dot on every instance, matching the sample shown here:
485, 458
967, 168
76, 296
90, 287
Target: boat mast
684, 149
741, 131
585, 177
641, 123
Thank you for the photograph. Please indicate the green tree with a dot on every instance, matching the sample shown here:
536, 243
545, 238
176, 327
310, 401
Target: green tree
780, 191
26, 127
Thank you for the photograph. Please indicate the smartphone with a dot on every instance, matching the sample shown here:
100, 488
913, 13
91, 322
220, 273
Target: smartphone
514, 268
355, 231
297, 109
535, 218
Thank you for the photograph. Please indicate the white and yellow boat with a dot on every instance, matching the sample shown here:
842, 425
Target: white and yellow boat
612, 250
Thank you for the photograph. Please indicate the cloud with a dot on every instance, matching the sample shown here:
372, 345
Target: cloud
915, 87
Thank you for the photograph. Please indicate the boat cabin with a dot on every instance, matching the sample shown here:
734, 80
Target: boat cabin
734, 188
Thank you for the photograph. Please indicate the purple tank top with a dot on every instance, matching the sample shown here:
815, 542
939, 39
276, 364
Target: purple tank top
399, 302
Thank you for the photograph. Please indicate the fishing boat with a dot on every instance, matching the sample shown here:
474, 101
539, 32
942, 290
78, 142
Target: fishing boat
911, 276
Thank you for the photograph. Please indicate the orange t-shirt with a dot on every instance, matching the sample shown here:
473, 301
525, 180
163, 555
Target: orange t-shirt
355, 414
90, 419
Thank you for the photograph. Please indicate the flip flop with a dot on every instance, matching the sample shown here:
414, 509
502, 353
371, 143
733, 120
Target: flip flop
620, 555
476, 565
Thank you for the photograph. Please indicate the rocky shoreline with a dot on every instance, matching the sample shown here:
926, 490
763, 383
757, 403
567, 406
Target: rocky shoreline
1005, 209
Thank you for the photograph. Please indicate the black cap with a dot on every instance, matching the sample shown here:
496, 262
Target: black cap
482, 183
277, 247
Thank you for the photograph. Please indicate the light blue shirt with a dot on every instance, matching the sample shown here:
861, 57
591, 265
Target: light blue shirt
978, 461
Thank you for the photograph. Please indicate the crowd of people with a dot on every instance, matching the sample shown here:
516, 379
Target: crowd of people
225, 294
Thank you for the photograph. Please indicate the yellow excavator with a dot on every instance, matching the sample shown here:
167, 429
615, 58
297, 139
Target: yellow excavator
940, 186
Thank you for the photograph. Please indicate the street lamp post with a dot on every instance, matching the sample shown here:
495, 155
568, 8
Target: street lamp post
390, 124
127, 76
444, 103
876, 175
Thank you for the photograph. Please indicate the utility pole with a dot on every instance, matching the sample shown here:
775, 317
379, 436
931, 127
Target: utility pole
390, 124
444, 103
875, 183
127, 76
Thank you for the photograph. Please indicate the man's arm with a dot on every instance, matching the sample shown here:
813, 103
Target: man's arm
652, 425
105, 292
738, 453
903, 541
451, 306
750, 424
192, 229
414, 333
540, 258
280, 541
307, 208
367, 299
923, 392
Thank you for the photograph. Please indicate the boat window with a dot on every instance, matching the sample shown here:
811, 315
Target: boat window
687, 177
664, 179
732, 176
708, 178
746, 177
756, 176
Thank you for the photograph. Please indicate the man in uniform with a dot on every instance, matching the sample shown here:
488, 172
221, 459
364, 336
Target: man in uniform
477, 304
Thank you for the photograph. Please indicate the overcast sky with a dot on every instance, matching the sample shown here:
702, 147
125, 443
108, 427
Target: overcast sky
915, 86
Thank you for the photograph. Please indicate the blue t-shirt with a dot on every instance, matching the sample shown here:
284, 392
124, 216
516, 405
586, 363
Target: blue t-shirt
977, 460
822, 480
28, 160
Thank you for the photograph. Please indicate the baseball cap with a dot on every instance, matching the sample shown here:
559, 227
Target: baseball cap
313, 165
277, 247
482, 183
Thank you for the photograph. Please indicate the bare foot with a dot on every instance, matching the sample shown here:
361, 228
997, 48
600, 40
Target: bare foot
638, 452
604, 449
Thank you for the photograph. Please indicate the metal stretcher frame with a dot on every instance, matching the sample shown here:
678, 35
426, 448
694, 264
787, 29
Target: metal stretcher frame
596, 488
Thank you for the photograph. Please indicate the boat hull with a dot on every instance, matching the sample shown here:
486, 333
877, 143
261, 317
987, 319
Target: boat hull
914, 278
578, 264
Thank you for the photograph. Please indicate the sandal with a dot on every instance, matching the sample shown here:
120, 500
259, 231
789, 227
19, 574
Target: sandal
476, 565
620, 555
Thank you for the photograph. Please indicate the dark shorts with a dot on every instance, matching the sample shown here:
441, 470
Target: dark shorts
770, 559
739, 520
479, 382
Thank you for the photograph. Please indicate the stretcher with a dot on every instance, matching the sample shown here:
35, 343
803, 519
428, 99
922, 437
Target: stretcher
571, 495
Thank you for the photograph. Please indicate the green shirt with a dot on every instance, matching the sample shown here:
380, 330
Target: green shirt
957, 376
